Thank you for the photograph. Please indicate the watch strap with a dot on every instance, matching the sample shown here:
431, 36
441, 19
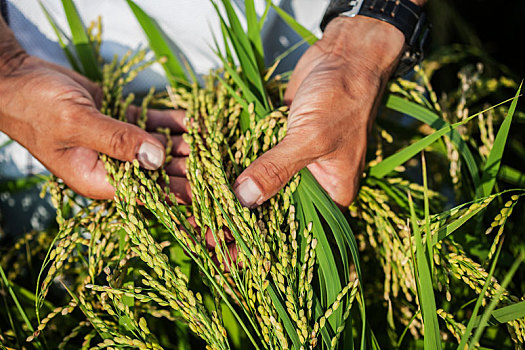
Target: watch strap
403, 14
408, 17
3, 11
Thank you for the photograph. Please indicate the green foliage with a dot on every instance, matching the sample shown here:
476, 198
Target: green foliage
83, 45
132, 275
161, 45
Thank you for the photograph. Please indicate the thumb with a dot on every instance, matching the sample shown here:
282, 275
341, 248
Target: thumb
122, 141
270, 172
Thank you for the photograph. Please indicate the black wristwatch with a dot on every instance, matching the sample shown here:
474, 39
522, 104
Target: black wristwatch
406, 16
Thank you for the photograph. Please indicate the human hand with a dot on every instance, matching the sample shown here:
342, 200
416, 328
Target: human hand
52, 111
334, 93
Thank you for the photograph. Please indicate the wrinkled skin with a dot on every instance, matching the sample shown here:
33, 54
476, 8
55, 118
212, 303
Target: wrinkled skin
334, 93
53, 112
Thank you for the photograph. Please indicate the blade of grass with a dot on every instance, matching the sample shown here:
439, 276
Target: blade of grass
244, 51
21, 184
426, 290
304, 33
245, 89
512, 176
254, 33
390, 163
450, 228
19, 307
262, 20
492, 165
325, 257
281, 311
14, 327
342, 233
407, 327
6, 143
326, 332
424, 115
161, 45
477, 306
80, 39
505, 314
495, 300
63, 40
224, 33
430, 246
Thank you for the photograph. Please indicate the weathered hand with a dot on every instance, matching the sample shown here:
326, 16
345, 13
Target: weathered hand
52, 111
334, 93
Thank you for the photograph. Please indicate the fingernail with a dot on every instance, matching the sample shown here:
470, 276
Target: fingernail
150, 156
248, 193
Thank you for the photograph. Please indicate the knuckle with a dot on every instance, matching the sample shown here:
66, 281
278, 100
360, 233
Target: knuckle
132, 114
120, 140
271, 171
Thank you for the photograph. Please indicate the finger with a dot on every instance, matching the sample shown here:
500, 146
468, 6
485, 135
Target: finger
180, 187
228, 258
177, 167
117, 139
271, 171
84, 173
172, 119
179, 146
210, 238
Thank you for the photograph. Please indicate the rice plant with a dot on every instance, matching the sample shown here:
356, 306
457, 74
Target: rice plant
142, 271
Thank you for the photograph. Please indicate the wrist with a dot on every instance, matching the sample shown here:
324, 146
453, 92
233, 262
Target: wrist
419, 2
369, 41
12, 55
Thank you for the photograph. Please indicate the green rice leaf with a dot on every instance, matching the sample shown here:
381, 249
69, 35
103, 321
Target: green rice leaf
19, 307
244, 51
262, 20
224, 32
21, 184
245, 89
80, 39
161, 45
326, 332
430, 247
426, 290
424, 115
304, 33
512, 176
390, 163
6, 143
495, 300
456, 224
63, 39
287, 322
488, 281
254, 33
505, 314
492, 165
342, 233
325, 257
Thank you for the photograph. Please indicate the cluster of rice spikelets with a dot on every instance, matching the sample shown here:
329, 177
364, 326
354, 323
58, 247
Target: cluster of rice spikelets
260, 265
269, 252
